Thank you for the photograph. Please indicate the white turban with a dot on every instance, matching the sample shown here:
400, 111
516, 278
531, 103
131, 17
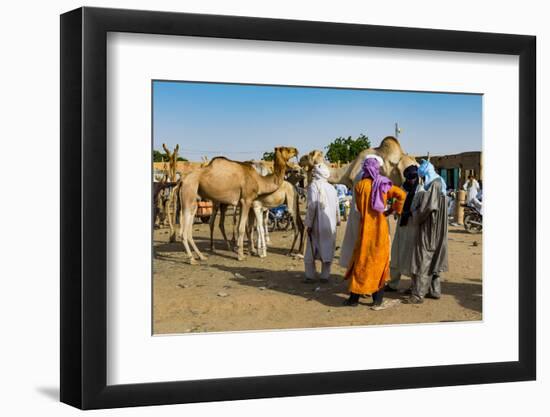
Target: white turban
378, 158
321, 173
359, 175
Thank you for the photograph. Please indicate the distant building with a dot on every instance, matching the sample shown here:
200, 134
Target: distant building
455, 169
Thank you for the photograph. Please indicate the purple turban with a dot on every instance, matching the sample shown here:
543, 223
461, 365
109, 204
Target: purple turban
380, 184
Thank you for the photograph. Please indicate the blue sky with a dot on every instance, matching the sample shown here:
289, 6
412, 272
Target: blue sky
243, 121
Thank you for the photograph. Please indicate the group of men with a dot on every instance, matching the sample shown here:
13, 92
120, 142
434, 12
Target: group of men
419, 247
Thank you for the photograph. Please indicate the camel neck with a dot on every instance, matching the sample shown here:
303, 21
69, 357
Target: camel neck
271, 183
336, 174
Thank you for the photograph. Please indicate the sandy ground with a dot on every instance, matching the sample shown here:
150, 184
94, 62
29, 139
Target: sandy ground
223, 294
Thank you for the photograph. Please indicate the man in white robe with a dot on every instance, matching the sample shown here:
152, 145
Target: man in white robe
472, 189
322, 218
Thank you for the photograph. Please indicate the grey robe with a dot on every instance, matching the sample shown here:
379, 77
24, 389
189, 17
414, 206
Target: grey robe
430, 214
404, 242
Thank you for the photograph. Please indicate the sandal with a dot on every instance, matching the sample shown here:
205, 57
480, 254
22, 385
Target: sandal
385, 304
413, 300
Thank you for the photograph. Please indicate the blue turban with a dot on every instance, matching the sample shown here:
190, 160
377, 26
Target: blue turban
427, 171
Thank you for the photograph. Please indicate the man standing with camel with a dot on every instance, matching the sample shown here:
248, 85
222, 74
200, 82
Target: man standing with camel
322, 218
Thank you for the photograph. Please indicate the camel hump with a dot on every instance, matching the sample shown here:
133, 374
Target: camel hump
222, 161
390, 142
218, 159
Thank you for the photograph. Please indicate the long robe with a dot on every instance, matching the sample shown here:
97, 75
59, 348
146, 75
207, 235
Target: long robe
369, 268
352, 229
430, 214
404, 242
472, 189
323, 222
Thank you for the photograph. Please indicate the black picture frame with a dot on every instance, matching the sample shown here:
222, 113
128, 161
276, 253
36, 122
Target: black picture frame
84, 207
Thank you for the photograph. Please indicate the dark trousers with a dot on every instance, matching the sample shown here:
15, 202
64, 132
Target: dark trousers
377, 297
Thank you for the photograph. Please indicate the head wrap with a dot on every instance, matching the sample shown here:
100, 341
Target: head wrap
320, 174
427, 171
411, 174
359, 175
377, 157
380, 184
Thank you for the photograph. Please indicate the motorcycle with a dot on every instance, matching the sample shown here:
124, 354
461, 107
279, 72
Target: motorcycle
473, 219
279, 218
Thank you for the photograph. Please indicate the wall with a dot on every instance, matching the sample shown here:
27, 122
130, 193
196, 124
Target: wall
467, 163
29, 258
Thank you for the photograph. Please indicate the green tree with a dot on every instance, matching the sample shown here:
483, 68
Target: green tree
161, 156
346, 149
268, 156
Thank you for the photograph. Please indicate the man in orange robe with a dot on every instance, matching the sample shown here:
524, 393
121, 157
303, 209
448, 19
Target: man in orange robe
370, 265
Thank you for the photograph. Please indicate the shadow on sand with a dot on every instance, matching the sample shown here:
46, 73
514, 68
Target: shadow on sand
467, 295
333, 293
464, 232
203, 244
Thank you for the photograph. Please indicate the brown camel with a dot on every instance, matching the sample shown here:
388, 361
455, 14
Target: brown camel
228, 182
172, 161
171, 204
286, 194
390, 150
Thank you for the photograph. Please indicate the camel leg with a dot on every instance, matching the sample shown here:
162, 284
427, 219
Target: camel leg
302, 230
298, 224
250, 234
192, 241
254, 235
245, 208
233, 240
259, 215
223, 210
171, 214
294, 210
212, 223
186, 221
295, 231
266, 229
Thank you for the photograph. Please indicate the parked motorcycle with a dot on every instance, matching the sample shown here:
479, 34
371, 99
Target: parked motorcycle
279, 218
473, 219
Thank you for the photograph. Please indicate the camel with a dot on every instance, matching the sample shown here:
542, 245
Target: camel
171, 204
172, 161
286, 194
395, 162
263, 170
316, 157
228, 182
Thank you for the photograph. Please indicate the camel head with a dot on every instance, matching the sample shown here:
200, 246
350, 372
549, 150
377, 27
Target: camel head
308, 161
295, 174
395, 171
285, 153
